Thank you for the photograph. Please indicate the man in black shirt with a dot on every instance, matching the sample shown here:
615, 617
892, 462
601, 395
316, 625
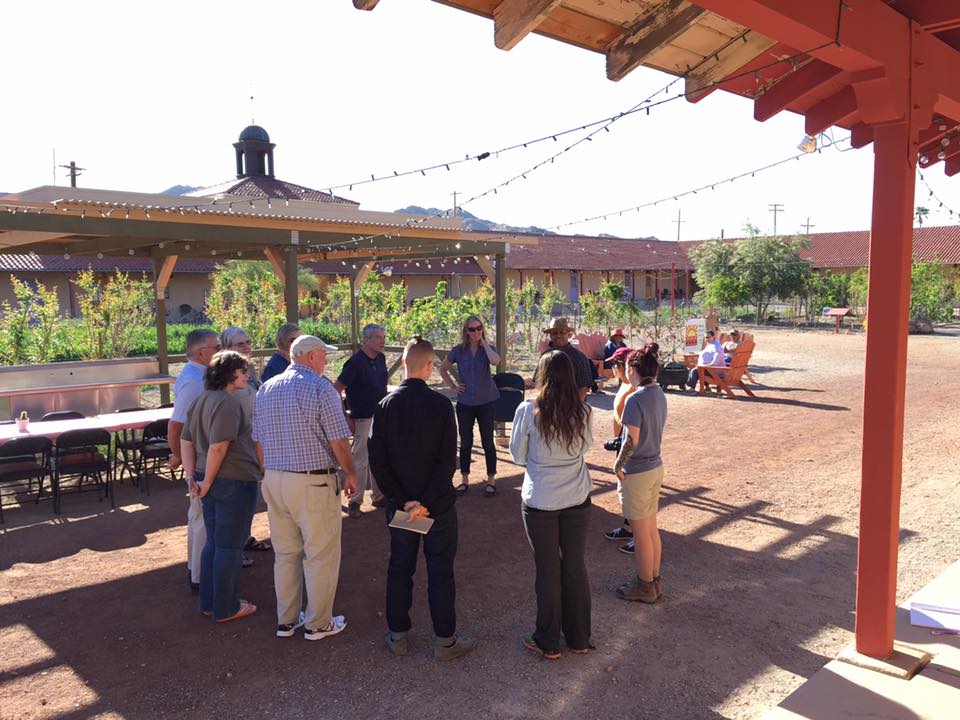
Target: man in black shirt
413, 454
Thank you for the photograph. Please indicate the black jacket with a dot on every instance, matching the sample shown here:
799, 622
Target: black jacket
413, 447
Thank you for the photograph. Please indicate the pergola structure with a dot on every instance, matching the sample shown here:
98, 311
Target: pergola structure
888, 70
76, 221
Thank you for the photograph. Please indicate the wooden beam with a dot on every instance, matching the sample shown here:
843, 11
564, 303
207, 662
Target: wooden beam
513, 20
362, 274
707, 76
660, 25
791, 88
365, 4
273, 255
163, 274
291, 285
932, 15
952, 167
486, 267
831, 111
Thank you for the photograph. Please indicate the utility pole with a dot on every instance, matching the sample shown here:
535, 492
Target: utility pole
807, 225
775, 208
678, 221
454, 203
74, 172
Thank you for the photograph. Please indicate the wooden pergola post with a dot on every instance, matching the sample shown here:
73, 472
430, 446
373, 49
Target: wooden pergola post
500, 282
162, 270
888, 303
291, 294
354, 314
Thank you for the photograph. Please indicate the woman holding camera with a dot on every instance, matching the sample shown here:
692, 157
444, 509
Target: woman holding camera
618, 363
639, 471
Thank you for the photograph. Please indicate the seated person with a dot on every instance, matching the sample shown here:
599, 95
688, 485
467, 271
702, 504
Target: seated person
730, 345
617, 340
710, 356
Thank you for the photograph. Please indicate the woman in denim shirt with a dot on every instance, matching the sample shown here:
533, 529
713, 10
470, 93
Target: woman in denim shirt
477, 395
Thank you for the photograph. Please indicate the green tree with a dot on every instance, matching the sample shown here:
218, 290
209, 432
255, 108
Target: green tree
114, 314
15, 324
825, 289
931, 292
770, 267
716, 274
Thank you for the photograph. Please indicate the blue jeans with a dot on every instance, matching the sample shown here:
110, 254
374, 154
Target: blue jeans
483, 415
439, 550
227, 513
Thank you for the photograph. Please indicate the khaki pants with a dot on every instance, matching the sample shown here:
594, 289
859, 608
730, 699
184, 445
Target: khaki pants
304, 513
361, 463
196, 538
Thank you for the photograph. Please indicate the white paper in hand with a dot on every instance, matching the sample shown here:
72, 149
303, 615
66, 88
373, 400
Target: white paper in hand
401, 520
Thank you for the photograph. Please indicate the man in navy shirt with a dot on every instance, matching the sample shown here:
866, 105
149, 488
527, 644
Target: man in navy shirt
364, 377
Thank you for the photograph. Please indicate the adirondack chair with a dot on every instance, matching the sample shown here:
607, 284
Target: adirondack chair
732, 375
744, 337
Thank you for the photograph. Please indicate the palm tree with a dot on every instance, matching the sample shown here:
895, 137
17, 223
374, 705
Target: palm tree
921, 212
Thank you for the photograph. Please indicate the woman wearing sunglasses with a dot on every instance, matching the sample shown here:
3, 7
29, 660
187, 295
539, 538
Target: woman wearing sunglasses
476, 396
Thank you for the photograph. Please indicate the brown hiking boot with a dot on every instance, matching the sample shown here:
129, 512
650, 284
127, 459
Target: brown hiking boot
658, 584
638, 590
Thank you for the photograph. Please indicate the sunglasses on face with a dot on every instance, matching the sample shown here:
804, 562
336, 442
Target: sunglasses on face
215, 348
475, 328
241, 342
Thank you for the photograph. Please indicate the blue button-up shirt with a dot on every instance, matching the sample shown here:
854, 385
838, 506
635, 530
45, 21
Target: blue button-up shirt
473, 369
189, 387
297, 415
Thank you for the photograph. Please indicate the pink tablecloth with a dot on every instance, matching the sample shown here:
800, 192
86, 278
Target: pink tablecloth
110, 422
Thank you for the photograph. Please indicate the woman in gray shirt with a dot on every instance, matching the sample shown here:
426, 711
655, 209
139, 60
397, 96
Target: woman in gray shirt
639, 471
222, 465
550, 436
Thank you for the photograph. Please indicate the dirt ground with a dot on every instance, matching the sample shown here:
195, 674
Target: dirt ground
759, 519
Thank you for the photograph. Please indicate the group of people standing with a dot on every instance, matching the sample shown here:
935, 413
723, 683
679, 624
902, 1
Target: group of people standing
304, 439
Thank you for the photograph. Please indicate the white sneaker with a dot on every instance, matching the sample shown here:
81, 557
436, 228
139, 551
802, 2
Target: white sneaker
285, 631
337, 624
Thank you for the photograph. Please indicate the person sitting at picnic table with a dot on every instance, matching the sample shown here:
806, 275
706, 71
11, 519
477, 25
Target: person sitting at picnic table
618, 362
730, 346
617, 340
711, 355
280, 360
477, 397
550, 437
223, 466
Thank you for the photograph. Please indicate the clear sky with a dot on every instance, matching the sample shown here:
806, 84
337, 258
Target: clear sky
149, 95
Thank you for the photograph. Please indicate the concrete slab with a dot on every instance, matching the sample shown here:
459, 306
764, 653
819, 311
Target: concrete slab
843, 690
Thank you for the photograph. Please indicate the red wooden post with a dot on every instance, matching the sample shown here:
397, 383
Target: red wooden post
888, 302
656, 287
686, 294
673, 290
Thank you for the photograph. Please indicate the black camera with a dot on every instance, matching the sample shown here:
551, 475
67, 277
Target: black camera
613, 445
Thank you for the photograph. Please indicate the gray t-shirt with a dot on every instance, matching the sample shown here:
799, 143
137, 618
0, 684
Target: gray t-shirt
217, 416
647, 410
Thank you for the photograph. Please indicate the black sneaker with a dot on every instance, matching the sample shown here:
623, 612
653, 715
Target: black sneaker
627, 548
284, 631
620, 533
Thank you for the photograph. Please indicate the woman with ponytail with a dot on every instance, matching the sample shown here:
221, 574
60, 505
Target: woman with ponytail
639, 471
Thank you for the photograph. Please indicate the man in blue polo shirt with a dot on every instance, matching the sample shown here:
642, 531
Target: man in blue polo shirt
364, 377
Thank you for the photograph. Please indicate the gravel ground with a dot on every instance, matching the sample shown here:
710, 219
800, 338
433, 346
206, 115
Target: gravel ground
759, 520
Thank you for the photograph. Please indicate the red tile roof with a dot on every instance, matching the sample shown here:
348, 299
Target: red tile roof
579, 252
269, 187
76, 263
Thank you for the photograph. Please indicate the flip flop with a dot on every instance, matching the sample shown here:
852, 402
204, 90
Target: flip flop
530, 644
246, 608
489, 490
461, 489
255, 545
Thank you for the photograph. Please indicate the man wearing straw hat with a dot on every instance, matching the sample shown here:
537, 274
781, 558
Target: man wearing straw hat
560, 332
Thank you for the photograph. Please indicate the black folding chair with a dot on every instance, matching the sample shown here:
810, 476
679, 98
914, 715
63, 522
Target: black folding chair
23, 460
62, 415
511, 387
78, 456
153, 451
126, 445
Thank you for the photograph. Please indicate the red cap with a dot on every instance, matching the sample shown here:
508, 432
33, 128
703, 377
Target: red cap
616, 332
620, 355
